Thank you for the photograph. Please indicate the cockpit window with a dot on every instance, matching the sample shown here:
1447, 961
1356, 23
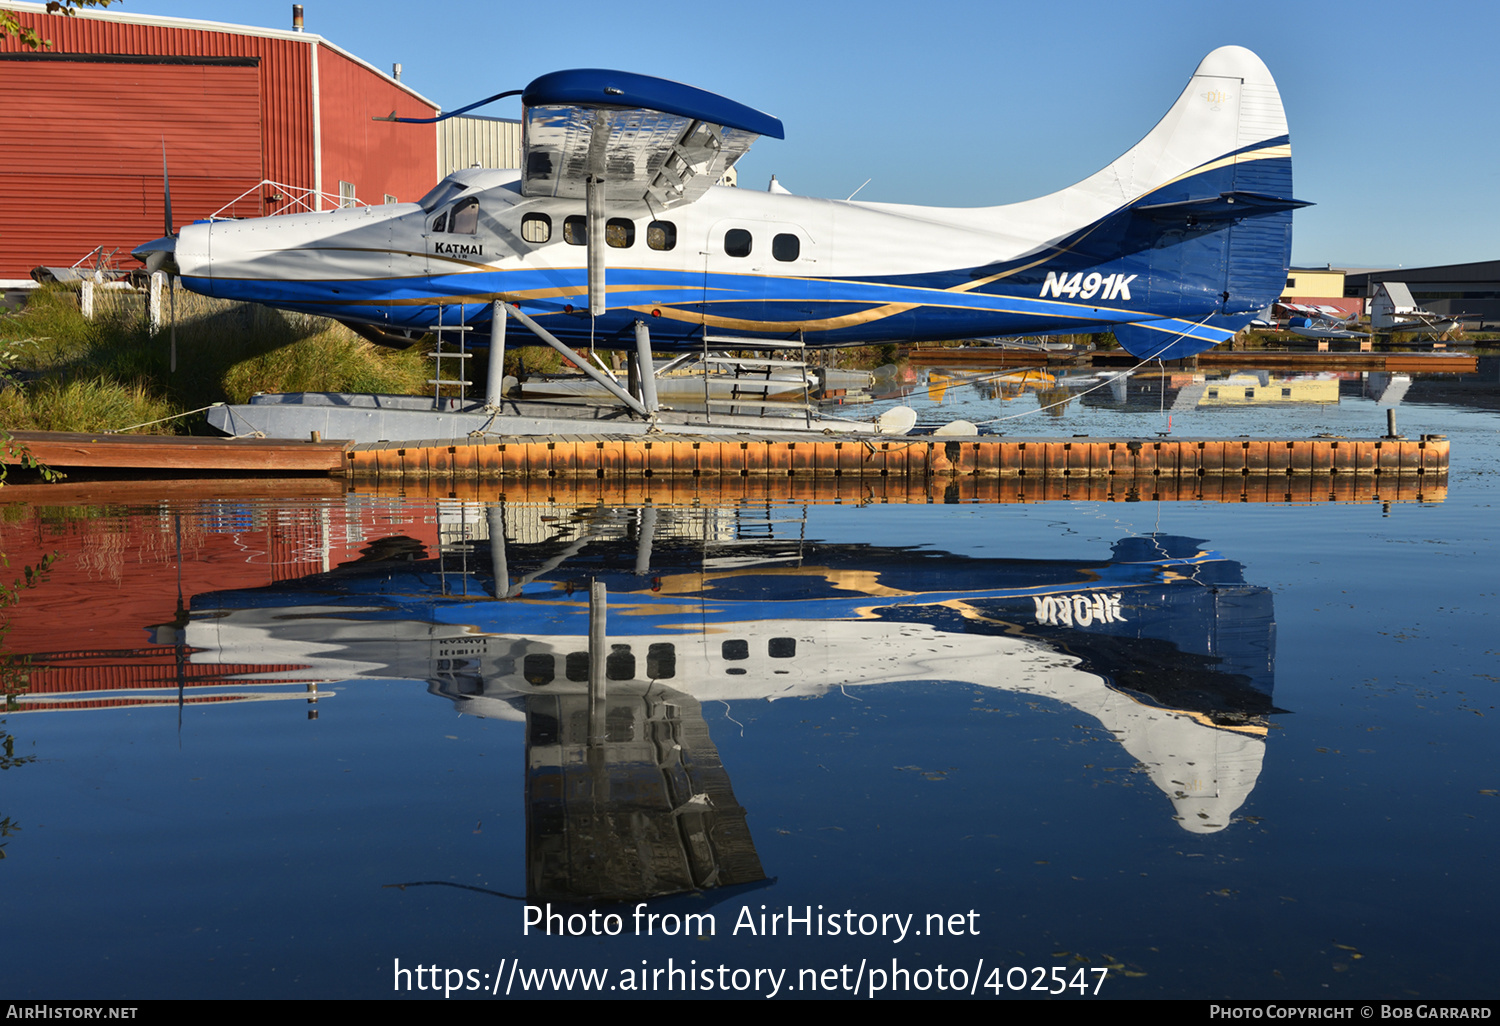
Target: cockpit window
441, 193
465, 217
441, 224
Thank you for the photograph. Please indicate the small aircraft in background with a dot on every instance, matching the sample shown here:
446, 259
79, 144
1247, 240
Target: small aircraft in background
1393, 310
1318, 322
614, 224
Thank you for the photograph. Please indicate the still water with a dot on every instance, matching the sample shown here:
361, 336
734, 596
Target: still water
307, 744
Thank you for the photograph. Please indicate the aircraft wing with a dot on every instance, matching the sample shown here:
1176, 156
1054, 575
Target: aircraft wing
650, 140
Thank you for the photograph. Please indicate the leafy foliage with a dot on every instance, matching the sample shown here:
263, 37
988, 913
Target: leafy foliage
10, 25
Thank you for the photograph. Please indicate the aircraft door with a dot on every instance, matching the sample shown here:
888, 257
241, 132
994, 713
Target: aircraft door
761, 277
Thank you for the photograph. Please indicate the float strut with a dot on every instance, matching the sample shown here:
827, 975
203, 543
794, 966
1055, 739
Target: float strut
494, 385
647, 367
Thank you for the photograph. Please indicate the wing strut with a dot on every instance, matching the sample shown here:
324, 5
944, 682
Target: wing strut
594, 208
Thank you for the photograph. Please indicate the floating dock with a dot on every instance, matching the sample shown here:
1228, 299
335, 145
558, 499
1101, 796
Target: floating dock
906, 458
718, 468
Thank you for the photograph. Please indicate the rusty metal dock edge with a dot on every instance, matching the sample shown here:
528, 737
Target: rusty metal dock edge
586, 456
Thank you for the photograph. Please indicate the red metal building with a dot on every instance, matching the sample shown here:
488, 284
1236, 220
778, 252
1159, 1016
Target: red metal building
253, 121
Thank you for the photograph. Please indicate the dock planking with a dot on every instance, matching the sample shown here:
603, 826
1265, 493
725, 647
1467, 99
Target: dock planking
69, 450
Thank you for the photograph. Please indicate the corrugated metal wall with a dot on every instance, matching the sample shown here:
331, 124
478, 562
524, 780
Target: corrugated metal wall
84, 141
379, 157
382, 158
285, 73
488, 142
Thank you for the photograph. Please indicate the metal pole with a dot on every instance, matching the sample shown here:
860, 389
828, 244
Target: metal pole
598, 600
494, 386
1390, 422
647, 367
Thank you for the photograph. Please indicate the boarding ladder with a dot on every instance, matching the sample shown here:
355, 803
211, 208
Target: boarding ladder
755, 380
445, 335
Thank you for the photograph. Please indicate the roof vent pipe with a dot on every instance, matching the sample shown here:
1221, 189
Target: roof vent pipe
396, 71
296, 17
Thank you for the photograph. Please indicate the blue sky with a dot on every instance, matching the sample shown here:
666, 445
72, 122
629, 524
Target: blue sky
1392, 106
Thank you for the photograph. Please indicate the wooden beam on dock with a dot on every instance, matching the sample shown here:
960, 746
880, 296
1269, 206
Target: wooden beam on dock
68, 450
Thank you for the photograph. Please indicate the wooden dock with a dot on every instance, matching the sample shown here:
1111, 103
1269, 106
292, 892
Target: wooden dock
68, 450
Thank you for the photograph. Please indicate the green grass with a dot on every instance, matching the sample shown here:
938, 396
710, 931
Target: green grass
110, 373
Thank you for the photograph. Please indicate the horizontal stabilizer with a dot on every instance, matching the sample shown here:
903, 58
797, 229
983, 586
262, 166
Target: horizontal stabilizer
1225, 206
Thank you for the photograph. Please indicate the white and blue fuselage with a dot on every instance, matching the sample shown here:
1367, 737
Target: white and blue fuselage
1173, 247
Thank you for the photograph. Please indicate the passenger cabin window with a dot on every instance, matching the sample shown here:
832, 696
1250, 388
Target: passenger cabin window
619, 664
661, 235
538, 669
786, 247
536, 228
661, 661
737, 242
619, 233
735, 648
575, 231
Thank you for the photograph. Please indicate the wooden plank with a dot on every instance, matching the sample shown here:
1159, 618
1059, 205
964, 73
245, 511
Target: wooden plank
181, 452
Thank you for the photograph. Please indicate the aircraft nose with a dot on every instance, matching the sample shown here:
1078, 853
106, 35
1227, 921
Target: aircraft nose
157, 254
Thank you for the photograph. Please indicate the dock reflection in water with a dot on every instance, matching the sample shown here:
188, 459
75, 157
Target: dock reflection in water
1162, 643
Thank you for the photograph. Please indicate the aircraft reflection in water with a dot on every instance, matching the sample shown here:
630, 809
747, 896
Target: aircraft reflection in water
1162, 643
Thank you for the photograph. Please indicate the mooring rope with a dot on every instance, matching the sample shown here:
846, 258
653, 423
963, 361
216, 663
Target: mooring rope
163, 420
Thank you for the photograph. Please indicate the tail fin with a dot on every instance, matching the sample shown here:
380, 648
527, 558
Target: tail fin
1199, 210
1226, 120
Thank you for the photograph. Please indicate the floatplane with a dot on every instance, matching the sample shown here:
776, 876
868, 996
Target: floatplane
614, 234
